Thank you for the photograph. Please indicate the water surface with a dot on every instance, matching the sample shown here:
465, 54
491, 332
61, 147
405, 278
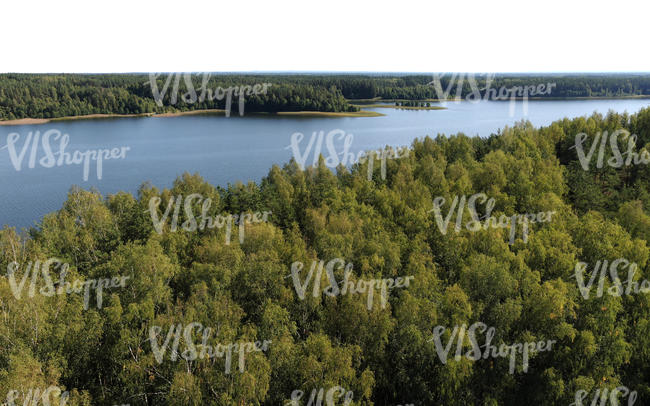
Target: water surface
230, 149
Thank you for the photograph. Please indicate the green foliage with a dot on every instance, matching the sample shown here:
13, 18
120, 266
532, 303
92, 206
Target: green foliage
527, 291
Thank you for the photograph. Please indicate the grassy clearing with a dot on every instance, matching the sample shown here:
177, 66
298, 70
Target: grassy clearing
374, 99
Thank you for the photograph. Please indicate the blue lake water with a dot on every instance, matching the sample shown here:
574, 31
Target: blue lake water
230, 149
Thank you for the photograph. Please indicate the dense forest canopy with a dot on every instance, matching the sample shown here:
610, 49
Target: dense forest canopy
61, 95
384, 355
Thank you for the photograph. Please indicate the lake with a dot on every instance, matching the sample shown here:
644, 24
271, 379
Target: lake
230, 149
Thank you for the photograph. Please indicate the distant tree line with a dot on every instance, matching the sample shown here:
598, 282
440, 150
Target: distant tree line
58, 95
419, 87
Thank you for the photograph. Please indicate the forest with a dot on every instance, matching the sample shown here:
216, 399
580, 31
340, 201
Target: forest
64, 95
381, 354
51, 96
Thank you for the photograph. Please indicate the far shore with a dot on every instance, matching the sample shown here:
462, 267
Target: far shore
367, 102
33, 121
361, 113
30, 121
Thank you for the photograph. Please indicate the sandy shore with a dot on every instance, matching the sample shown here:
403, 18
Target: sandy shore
30, 121
25, 121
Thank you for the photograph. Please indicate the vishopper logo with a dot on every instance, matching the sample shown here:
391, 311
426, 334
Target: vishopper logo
488, 93
34, 395
616, 161
475, 224
204, 351
205, 220
475, 353
617, 288
349, 287
316, 397
58, 156
605, 397
49, 290
332, 159
191, 96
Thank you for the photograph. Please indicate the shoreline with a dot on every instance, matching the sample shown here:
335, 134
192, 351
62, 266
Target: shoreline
32, 121
361, 113
36, 121
366, 102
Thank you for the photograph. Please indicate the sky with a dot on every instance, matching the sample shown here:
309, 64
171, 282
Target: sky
315, 35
